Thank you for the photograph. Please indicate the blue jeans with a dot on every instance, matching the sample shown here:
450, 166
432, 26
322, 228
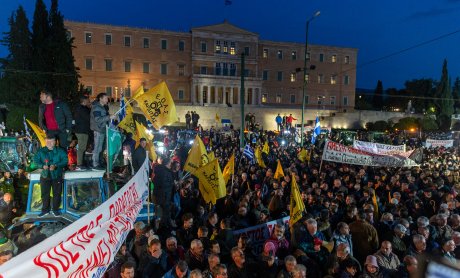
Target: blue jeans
99, 138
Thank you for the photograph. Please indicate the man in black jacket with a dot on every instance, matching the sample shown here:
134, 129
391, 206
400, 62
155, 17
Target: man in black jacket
55, 118
138, 156
81, 128
163, 185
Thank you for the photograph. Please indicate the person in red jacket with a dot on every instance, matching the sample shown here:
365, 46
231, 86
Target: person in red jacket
289, 120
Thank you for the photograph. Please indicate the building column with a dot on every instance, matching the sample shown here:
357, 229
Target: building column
192, 94
208, 95
200, 95
253, 97
231, 96
216, 95
237, 95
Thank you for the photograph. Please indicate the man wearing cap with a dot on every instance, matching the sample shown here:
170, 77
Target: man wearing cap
52, 160
396, 239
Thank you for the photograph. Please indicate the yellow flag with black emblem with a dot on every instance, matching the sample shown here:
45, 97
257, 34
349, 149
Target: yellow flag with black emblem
279, 171
128, 121
229, 168
296, 206
211, 156
41, 134
158, 106
258, 155
197, 156
266, 148
302, 155
142, 133
211, 178
139, 92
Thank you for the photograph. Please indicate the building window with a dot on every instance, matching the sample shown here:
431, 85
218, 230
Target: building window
218, 69
88, 37
204, 47
320, 100
334, 58
293, 76
108, 91
127, 41
345, 101
127, 66
307, 78
108, 39
246, 50
108, 64
181, 46
294, 55
225, 71
180, 94
332, 100
320, 78
146, 68
232, 48
278, 98
333, 79
164, 44
265, 75
280, 54
146, 43
292, 99
280, 76
232, 69
307, 56
321, 57
264, 98
89, 63
306, 99
346, 59
265, 53
164, 69
217, 47
346, 80
225, 50
203, 70
181, 70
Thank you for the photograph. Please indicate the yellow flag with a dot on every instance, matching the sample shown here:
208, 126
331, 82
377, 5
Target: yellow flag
128, 121
229, 169
302, 155
139, 92
207, 193
158, 106
217, 118
279, 171
258, 155
41, 134
211, 156
142, 133
196, 157
376, 205
266, 149
296, 206
211, 178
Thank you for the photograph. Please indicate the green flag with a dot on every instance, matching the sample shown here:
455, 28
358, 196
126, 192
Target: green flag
113, 147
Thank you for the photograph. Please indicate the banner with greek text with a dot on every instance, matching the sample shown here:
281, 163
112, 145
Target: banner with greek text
259, 233
378, 148
431, 143
336, 152
88, 246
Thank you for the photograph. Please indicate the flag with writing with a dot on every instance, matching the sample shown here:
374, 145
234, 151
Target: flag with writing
211, 178
141, 132
158, 106
296, 206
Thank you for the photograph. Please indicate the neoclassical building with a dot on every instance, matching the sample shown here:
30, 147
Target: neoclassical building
203, 66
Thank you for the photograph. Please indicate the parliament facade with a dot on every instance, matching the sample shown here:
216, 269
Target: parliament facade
203, 66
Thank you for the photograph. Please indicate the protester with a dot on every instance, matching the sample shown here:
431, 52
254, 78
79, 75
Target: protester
82, 128
139, 154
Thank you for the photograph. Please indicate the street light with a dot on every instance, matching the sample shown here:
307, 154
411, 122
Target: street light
304, 88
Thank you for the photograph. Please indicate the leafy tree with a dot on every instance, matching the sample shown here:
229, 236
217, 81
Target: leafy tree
40, 46
377, 100
394, 101
420, 90
445, 102
407, 123
428, 124
456, 94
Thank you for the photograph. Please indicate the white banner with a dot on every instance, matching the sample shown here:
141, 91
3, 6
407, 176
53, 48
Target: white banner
431, 143
88, 246
342, 154
259, 233
378, 148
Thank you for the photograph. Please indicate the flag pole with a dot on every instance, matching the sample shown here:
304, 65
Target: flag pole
148, 196
322, 156
126, 103
107, 149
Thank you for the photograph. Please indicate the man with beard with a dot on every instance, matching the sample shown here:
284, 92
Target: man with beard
279, 241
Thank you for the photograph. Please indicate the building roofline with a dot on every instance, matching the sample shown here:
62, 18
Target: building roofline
303, 44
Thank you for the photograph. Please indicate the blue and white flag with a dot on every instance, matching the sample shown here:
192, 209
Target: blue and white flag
316, 131
122, 113
25, 126
249, 153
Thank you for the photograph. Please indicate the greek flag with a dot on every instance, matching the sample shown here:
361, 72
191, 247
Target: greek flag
316, 131
249, 153
25, 126
122, 113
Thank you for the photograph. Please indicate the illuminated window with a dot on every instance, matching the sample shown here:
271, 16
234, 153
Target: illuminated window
280, 54
264, 98
307, 78
225, 50
334, 58
278, 98
217, 47
294, 55
346, 59
293, 75
265, 53
88, 37
333, 79
232, 48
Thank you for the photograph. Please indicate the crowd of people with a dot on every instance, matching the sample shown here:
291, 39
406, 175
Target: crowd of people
358, 221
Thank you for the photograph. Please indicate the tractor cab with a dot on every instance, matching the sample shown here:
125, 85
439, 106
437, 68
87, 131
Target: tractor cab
13, 154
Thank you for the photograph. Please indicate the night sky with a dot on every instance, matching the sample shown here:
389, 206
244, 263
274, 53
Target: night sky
377, 28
